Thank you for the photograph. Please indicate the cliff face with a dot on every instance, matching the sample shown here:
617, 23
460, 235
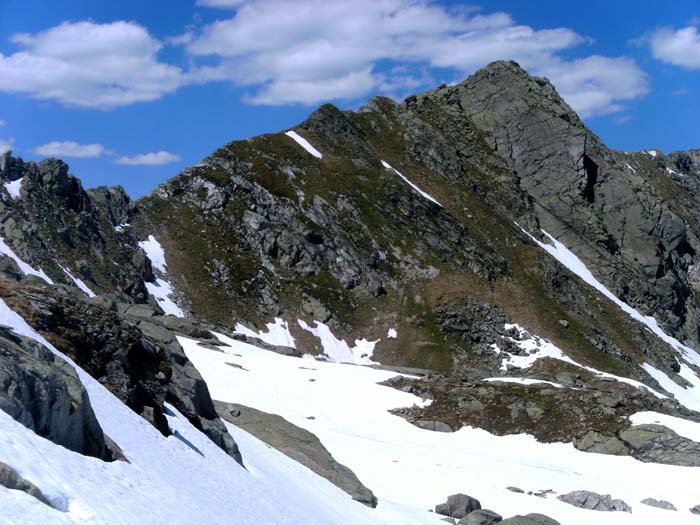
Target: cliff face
607, 206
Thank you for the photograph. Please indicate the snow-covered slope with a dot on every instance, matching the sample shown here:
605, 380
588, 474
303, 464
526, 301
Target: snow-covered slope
412, 469
182, 479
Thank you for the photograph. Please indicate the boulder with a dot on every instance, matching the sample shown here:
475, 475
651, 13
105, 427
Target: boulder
434, 425
44, 393
458, 506
600, 443
9, 478
530, 519
660, 503
659, 444
590, 500
481, 517
297, 443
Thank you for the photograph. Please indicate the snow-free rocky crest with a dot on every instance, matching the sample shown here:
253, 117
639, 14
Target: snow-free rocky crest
520, 302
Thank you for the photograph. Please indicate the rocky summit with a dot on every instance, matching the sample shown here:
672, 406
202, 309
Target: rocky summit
399, 314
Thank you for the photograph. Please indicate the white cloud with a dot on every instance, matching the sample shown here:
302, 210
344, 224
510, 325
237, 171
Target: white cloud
69, 148
680, 47
2, 122
318, 50
287, 52
149, 159
88, 65
595, 85
6, 145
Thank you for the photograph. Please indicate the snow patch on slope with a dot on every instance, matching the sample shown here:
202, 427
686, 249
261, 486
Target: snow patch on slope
304, 143
416, 188
522, 381
78, 282
538, 348
337, 350
160, 288
154, 251
411, 469
26, 269
277, 334
14, 187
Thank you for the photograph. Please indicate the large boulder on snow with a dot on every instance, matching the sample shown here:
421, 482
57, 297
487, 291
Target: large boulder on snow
458, 506
593, 501
44, 393
297, 443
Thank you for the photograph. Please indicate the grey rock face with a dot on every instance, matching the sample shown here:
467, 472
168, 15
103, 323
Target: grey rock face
599, 443
297, 443
278, 349
434, 425
659, 503
458, 506
687, 162
56, 223
649, 443
659, 444
481, 517
592, 501
11, 480
135, 357
585, 195
44, 394
531, 519
695, 509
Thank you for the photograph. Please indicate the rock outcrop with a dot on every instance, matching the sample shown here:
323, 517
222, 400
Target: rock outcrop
299, 444
458, 506
592, 501
11, 480
45, 394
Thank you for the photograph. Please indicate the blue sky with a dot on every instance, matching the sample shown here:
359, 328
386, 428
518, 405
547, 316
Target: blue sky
131, 92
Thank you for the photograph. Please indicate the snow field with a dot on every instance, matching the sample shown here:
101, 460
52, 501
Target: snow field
182, 479
410, 469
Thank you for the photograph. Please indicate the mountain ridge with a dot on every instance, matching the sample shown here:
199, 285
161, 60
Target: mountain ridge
479, 234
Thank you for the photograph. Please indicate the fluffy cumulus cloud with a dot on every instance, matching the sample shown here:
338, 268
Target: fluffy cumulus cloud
680, 47
70, 149
149, 159
286, 52
596, 85
308, 52
88, 65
